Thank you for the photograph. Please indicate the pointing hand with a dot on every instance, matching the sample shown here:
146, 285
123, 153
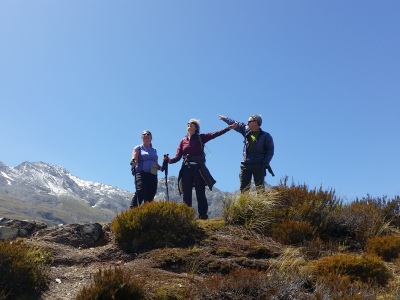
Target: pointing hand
233, 126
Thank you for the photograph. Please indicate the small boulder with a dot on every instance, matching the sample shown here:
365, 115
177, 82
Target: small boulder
75, 235
11, 229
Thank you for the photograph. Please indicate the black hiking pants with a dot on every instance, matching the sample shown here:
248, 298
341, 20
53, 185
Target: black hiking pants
191, 177
247, 171
146, 188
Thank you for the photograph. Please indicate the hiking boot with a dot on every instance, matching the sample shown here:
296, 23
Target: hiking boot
203, 217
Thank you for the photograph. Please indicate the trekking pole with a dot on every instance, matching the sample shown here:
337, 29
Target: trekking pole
133, 169
165, 168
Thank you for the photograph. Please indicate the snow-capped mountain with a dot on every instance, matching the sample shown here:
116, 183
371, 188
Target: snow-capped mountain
51, 193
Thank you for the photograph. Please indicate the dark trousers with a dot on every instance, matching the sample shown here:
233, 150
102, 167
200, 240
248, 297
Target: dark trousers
191, 177
247, 171
146, 188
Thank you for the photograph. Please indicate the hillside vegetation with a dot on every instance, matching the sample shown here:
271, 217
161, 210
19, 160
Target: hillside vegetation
291, 242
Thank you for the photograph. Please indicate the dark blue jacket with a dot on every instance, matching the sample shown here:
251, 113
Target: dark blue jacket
263, 150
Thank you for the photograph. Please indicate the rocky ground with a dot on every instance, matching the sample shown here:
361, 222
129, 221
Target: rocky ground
74, 268
79, 252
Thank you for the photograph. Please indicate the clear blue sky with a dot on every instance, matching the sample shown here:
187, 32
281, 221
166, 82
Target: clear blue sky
80, 80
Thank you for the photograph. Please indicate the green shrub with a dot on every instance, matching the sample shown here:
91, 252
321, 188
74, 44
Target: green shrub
155, 225
24, 270
387, 247
292, 232
364, 268
252, 211
113, 284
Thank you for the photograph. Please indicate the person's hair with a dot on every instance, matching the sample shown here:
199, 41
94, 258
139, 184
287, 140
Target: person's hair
257, 118
196, 124
148, 131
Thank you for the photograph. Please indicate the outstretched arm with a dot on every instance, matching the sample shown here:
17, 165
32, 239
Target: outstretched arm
212, 135
241, 127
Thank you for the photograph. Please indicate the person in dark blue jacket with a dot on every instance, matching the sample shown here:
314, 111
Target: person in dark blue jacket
258, 151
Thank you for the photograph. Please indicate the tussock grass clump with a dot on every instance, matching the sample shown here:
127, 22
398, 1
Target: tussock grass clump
113, 284
252, 211
155, 225
24, 270
364, 268
387, 247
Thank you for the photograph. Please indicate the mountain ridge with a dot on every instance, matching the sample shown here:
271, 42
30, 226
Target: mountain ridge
51, 194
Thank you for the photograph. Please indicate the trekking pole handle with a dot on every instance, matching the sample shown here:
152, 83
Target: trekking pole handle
133, 163
165, 164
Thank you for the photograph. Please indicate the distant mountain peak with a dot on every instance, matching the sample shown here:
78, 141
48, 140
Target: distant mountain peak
51, 193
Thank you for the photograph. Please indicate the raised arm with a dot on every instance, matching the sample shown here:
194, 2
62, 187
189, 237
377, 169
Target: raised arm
241, 127
212, 135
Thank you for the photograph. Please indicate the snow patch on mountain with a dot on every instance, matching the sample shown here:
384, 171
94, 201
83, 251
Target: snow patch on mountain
40, 184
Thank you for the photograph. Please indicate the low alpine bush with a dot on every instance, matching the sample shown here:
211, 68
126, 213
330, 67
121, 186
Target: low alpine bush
387, 247
363, 219
24, 270
155, 225
302, 204
292, 232
364, 268
115, 284
237, 285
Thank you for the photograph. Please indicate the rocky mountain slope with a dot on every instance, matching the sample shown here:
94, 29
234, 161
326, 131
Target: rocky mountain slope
39, 191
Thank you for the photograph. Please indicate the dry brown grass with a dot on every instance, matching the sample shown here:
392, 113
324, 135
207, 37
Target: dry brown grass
230, 260
222, 258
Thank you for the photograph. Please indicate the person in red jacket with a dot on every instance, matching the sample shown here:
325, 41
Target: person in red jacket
194, 171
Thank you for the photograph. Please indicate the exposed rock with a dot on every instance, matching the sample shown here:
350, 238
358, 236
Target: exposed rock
8, 233
75, 235
11, 229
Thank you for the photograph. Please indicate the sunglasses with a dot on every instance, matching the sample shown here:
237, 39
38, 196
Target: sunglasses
146, 133
190, 124
251, 121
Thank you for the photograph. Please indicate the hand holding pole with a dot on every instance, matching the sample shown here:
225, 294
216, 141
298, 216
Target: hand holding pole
165, 168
